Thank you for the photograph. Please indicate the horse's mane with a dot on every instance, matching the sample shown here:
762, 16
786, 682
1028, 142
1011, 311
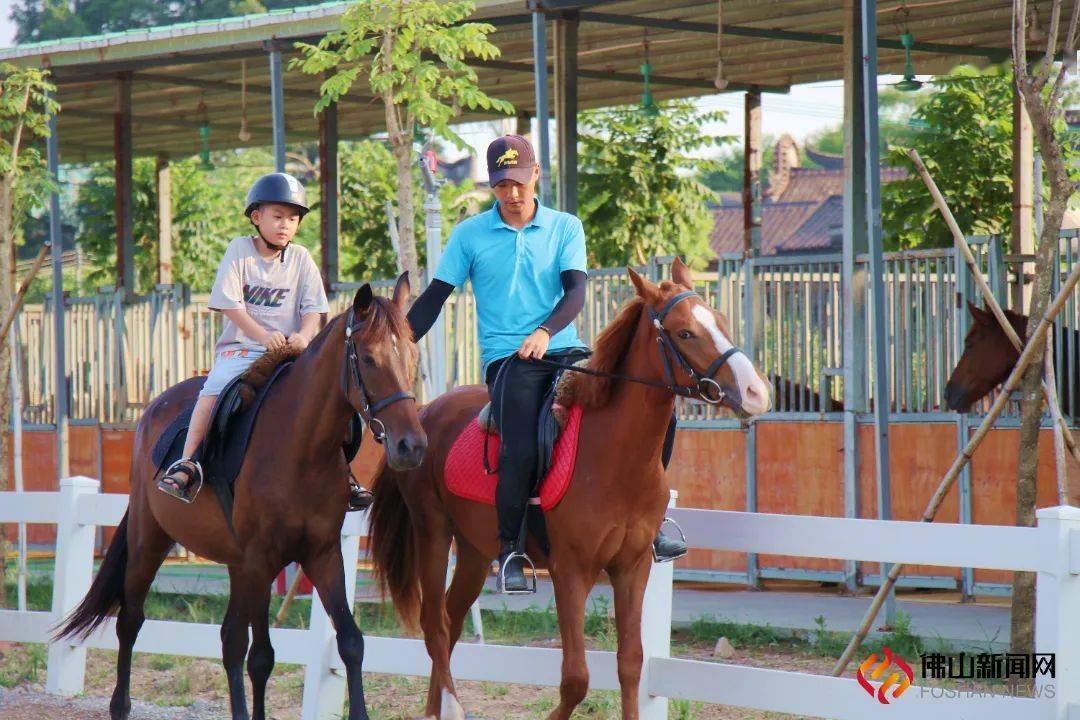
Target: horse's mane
611, 347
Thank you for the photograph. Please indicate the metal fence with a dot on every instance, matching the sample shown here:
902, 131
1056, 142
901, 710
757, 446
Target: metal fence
122, 354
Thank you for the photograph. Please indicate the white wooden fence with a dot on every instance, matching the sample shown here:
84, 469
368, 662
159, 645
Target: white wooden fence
1052, 550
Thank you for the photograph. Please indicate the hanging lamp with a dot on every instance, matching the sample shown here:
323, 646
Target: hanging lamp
720, 81
648, 105
244, 133
204, 135
909, 83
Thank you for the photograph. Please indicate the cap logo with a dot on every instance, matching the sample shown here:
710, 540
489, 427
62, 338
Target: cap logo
508, 158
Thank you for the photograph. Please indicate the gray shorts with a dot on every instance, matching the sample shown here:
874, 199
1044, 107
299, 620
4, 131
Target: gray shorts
227, 365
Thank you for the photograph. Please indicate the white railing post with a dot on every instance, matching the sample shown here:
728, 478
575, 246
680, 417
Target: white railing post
324, 686
656, 631
71, 579
1057, 610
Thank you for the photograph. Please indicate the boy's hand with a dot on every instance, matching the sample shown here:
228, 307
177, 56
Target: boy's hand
273, 340
535, 345
298, 341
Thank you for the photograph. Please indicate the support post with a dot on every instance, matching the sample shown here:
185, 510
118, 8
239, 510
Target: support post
566, 46
73, 572
125, 240
1023, 218
1057, 624
853, 286
656, 630
435, 339
277, 105
164, 215
877, 269
543, 113
752, 174
330, 193
60, 358
324, 686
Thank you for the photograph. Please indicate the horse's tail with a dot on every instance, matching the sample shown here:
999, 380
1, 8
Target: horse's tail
393, 548
106, 592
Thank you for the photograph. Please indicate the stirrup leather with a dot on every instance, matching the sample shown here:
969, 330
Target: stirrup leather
682, 538
500, 579
191, 488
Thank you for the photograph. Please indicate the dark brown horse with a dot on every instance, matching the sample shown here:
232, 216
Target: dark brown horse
989, 357
290, 498
605, 522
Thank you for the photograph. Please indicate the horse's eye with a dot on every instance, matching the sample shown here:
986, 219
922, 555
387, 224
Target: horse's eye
369, 361
685, 334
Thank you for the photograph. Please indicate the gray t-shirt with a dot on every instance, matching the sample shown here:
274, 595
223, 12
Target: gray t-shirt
275, 294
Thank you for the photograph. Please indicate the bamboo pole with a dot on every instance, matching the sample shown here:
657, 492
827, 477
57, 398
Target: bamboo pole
1059, 438
963, 459
961, 244
289, 597
16, 304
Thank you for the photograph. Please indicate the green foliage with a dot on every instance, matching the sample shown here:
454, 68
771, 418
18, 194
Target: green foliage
726, 175
638, 182
38, 20
412, 55
207, 208
25, 108
966, 143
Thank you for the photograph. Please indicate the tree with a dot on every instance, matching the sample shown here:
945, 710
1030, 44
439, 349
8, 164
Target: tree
638, 180
1042, 90
38, 20
25, 108
727, 173
413, 55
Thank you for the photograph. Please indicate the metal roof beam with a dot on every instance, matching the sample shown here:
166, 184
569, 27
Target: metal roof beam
225, 85
993, 53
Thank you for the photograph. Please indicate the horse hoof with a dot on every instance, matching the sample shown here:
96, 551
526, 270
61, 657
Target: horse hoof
451, 708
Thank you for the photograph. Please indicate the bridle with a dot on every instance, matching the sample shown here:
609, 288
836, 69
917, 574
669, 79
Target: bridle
705, 387
351, 371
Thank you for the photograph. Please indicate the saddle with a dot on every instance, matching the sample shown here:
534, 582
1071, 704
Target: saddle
229, 431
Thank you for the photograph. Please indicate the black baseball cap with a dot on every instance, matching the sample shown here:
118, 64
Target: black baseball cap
510, 157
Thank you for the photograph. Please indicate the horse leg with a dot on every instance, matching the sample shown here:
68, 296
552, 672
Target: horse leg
433, 545
260, 660
628, 586
570, 593
234, 645
326, 571
469, 575
145, 555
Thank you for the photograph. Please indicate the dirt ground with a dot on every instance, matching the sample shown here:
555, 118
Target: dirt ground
173, 688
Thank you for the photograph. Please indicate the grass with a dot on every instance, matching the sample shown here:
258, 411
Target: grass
22, 664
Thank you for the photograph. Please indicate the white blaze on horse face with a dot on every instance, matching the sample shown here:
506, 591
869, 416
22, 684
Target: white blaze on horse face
753, 391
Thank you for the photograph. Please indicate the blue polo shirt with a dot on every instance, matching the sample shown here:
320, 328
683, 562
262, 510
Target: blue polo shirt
515, 275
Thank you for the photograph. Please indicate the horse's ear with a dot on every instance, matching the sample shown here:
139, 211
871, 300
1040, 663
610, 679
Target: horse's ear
979, 315
402, 291
646, 289
362, 300
682, 274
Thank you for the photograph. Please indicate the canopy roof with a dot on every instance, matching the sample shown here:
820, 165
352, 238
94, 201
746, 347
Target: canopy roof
766, 44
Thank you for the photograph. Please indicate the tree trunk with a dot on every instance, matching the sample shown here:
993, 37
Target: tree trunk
406, 211
7, 287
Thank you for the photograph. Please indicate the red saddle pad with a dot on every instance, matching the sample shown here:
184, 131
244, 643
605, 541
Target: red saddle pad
464, 466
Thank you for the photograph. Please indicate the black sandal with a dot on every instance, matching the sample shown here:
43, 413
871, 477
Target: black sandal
179, 479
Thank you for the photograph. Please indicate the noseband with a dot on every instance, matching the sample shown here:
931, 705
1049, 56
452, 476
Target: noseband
351, 370
706, 388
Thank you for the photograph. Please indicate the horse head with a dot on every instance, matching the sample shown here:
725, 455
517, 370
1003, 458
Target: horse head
380, 367
987, 360
701, 335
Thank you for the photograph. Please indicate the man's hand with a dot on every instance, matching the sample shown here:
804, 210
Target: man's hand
273, 340
535, 345
298, 341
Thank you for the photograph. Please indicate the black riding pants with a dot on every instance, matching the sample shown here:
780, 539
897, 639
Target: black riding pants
516, 388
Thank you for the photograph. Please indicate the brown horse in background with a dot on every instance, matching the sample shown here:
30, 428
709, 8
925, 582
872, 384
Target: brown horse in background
989, 358
608, 517
290, 498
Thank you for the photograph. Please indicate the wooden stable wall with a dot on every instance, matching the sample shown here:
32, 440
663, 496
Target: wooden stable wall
799, 471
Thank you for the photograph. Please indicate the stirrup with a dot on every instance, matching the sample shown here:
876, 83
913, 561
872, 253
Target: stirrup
500, 579
682, 538
185, 494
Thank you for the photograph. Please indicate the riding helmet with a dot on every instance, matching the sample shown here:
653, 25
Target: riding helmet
277, 188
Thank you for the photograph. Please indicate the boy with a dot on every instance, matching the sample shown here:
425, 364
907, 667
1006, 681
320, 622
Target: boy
270, 299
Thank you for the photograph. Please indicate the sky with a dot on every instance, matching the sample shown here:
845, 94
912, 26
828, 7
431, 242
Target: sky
7, 28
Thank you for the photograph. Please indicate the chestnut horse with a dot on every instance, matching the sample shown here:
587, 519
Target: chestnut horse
290, 498
610, 513
989, 358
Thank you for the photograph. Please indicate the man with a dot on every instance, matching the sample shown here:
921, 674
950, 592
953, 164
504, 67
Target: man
527, 267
